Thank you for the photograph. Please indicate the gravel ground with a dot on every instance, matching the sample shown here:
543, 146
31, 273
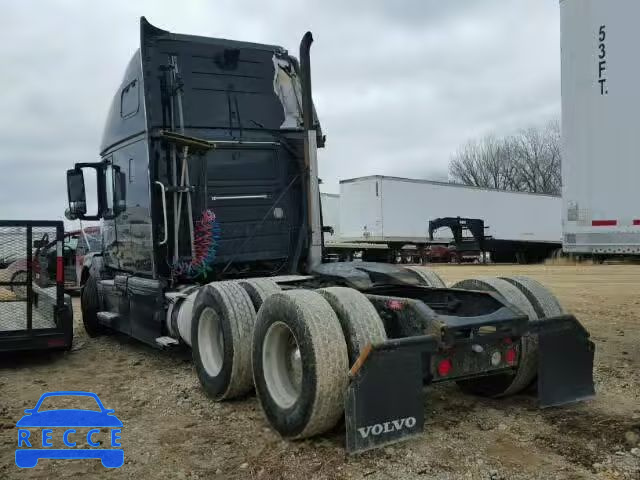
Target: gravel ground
171, 430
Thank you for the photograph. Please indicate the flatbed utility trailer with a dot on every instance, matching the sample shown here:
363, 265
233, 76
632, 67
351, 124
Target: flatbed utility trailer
33, 315
216, 244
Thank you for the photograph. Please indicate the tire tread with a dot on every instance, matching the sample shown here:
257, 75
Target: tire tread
429, 277
259, 289
361, 324
324, 335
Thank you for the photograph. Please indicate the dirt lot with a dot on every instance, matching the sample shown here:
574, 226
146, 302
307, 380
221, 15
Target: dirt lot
172, 431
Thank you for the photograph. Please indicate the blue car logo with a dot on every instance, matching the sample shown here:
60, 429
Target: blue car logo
29, 452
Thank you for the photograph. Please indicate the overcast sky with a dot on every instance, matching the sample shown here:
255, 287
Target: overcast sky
398, 85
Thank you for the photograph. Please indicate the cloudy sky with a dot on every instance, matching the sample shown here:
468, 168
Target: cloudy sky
398, 85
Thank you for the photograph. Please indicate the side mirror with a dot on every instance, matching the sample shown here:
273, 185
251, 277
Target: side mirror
83, 177
76, 193
68, 215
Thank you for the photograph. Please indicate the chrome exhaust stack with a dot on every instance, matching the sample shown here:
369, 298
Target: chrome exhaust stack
314, 254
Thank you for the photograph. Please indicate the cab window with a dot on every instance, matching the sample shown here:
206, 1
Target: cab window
129, 100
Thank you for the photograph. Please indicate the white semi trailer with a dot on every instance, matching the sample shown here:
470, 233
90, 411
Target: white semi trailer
600, 126
330, 216
397, 211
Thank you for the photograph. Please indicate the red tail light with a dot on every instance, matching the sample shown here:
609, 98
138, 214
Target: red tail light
395, 305
60, 270
444, 367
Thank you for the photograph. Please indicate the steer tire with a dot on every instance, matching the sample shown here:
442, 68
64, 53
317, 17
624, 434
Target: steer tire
259, 289
313, 331
505, 384
361, 324
544, 302
221, 330
90, 306
428, 277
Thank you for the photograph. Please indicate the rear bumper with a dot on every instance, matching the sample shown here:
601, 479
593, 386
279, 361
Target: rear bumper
602, 241
37, 340
385, 400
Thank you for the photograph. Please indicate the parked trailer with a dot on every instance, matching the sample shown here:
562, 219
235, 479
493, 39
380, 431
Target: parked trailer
337, 250
35, 314
221, 147
331, 216
600, 141
397, 211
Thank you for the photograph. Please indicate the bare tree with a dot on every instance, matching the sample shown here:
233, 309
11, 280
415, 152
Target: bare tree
528, 161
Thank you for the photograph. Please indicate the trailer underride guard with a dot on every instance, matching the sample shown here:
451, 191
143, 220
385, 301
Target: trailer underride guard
212, 239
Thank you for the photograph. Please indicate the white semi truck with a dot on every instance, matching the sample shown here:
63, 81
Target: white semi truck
600, 127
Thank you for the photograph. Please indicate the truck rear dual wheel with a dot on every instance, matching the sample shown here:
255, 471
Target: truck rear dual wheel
543, 301
360, 322
259, 289
221, 333
533, 299
303, 345
300, 363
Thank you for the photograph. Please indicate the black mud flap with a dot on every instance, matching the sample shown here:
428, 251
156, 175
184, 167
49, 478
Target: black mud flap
385, 401
565, 361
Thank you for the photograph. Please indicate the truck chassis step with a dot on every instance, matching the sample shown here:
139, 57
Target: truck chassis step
107, 318
167, 342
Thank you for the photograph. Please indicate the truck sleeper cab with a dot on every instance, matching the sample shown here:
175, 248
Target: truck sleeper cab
208, 194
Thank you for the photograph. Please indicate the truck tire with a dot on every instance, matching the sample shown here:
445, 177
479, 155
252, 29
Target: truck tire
505, 384
429, 277
361, 324
259, 289
543, 301
90, 306
84, 276
221, 331
300, 363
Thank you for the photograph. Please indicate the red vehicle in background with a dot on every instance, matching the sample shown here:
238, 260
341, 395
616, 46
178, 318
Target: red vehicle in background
451, 254
78, 247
